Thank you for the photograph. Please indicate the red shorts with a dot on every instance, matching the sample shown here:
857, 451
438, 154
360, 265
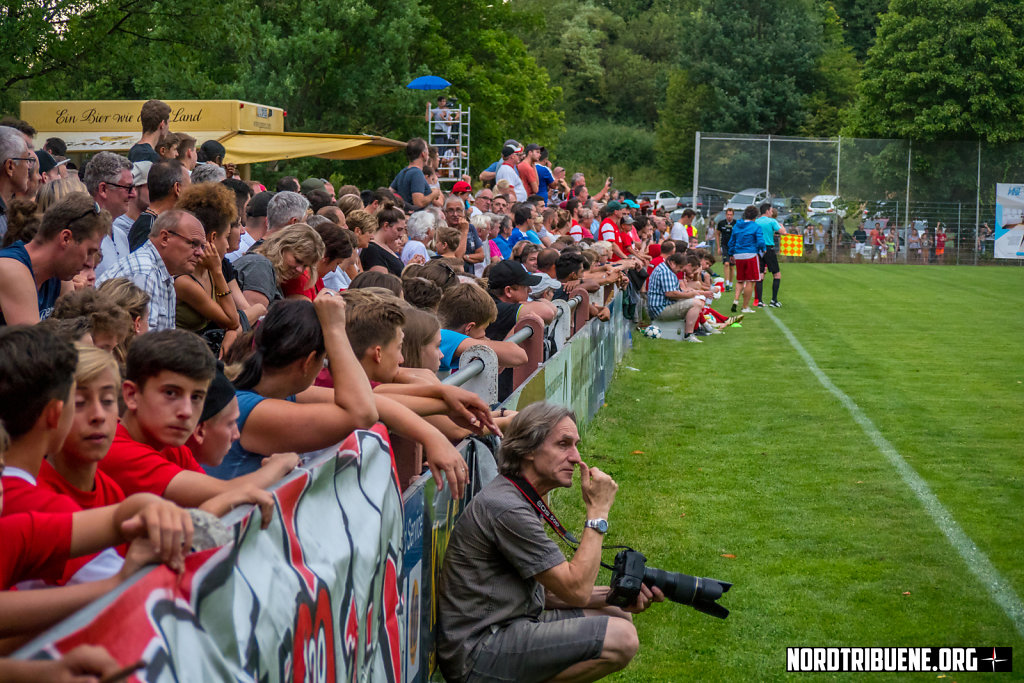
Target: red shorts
748, 269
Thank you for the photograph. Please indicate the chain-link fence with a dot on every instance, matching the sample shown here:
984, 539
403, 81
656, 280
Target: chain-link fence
931, 202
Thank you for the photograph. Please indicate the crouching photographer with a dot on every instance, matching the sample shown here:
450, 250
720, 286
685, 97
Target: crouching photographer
511, 606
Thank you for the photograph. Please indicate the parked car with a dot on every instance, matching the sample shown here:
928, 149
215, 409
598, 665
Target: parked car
745, 198
660, 199
705, 205
791, 209
826, 204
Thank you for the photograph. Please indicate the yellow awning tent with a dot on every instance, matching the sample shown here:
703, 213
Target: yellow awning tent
251, 133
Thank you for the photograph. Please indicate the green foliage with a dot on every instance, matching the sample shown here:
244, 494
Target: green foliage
860, 21
835, 78
678, 122
53, 49
950, 69
471, 44
744, 51
608, 149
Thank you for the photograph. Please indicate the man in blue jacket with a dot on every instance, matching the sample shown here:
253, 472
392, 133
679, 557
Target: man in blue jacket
747, 246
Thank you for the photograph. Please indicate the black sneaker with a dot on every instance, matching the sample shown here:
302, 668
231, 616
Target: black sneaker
775, 304
760, 304
734, 306
702, 333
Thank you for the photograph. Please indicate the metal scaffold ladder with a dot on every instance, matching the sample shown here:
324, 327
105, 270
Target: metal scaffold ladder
452, 142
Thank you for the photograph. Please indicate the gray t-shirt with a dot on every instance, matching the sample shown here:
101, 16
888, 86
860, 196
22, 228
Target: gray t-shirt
255, 273
410, 179
496, 548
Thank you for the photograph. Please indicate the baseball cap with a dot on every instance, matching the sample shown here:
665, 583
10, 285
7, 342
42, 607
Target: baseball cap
310, 184
613, 206
140, 172
546, 282
462, 186
631, 204
628, 220
509, 273
46, 161
511, 147
258, 204
532, 146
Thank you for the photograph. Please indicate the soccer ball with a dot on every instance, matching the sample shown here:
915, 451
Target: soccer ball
652, 332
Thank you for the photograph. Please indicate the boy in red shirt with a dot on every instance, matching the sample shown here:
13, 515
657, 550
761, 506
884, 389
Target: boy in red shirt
167, 376
36, 405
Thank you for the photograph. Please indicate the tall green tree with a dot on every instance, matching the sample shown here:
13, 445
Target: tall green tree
64, 49
945, 69
859, 20
758, 59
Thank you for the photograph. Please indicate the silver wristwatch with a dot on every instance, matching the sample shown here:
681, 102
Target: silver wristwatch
598, 525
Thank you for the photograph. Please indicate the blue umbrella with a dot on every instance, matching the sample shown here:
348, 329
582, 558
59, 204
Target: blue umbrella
428, 83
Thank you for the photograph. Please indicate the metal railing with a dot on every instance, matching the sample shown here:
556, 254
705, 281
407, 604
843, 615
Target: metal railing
474, 367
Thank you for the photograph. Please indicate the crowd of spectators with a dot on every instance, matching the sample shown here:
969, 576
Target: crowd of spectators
171, 335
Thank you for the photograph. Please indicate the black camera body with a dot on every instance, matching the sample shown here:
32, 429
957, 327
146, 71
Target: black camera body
630, 572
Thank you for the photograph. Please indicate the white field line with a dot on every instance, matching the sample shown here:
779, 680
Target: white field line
979, 564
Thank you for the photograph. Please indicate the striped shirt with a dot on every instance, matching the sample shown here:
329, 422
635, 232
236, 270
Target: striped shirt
662, 280
145, 267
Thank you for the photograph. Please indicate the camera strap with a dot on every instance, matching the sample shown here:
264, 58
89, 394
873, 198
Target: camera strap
531, 495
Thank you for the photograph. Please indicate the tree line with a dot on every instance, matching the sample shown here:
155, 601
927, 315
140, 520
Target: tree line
604, 84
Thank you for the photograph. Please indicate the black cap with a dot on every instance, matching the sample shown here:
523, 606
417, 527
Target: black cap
46, 161
218, 396
509, 273
258, 204
532, 146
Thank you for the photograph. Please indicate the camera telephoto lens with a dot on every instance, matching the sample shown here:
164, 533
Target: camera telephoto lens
697, 591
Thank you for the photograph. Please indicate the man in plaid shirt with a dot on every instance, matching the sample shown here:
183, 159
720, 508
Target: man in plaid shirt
174, 248
666, 300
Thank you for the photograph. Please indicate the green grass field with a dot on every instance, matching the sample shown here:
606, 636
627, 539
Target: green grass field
734, 462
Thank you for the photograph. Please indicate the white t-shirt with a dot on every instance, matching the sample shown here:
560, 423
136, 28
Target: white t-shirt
244, 243
337, 279
509, 173
679, 231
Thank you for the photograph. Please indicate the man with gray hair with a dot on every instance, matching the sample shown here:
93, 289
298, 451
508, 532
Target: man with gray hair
17, 164
176, 244
109, 180
284, 209
208, 172
506, 589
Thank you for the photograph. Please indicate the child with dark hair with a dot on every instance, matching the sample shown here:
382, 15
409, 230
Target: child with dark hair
167, 377
41, 530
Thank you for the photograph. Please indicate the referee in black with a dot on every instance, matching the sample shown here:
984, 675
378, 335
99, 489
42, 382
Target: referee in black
770, 262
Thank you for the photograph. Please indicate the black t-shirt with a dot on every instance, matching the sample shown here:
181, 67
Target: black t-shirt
561, 294
498, 330
143, 151
376, 255
725, 229
860, 236
503, 324
228, 270
140, 230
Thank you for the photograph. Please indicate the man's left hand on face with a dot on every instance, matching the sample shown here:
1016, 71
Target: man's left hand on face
646, 597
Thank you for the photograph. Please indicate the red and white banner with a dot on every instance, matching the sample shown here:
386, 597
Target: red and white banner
314, 597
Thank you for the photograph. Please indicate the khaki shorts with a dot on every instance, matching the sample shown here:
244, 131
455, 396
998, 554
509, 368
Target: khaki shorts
677, 310
527, 650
